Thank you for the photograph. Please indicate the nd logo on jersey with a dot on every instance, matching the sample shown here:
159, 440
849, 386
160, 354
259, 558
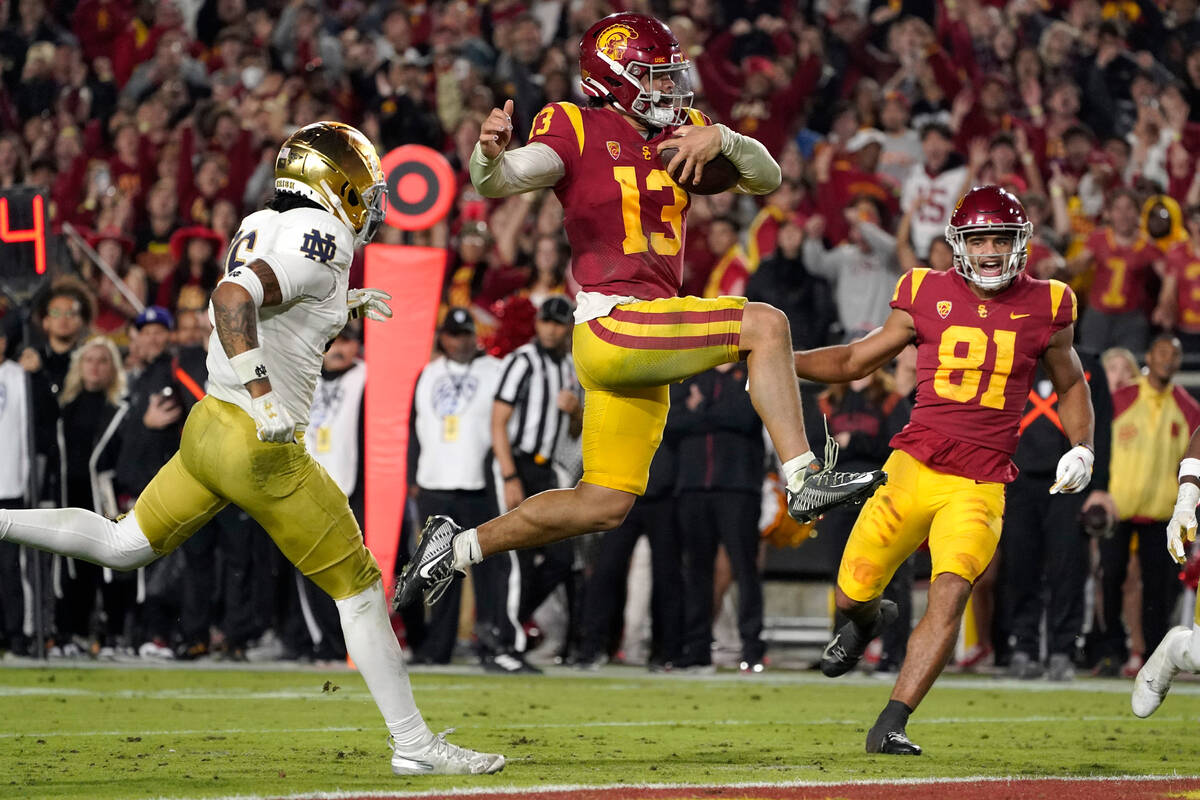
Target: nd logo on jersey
317, 247
613, 40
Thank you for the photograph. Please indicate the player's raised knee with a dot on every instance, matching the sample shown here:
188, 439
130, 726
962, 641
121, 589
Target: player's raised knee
764, 325
606, 507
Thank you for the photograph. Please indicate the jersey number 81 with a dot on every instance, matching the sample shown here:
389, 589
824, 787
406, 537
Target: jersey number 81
967, 366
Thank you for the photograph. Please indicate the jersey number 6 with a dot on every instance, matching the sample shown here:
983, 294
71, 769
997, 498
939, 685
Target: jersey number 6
967, 386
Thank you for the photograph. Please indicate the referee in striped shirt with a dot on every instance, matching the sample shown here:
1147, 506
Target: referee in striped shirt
537, 404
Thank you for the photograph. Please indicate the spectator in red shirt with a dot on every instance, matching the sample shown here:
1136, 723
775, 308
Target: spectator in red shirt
194, 250
732, 269
757, 99
841, 180
985, 116
98, 24
1122, 255
1182, 284
152, 237
132, 164
781, 206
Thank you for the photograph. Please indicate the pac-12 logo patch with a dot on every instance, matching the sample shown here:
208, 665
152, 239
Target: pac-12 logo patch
613, 40
614, 150
943, 308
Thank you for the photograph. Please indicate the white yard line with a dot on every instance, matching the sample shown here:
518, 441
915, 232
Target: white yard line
569, 789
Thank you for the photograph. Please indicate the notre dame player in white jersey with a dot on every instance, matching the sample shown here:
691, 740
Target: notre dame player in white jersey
283, 298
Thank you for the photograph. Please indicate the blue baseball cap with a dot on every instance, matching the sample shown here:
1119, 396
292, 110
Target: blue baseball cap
154, 315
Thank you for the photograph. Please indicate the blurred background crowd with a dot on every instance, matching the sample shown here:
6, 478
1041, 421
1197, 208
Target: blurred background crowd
151, 128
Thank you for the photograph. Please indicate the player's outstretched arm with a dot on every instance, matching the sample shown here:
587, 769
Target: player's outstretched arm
497, 172
235, 302
847, 362
1074, 409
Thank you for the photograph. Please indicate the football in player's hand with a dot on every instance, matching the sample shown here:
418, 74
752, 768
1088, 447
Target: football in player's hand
718, 175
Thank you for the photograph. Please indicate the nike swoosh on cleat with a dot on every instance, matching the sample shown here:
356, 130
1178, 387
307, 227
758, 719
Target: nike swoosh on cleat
424, 571
826, 653
865, 478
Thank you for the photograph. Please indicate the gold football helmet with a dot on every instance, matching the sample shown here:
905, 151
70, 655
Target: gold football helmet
336, 166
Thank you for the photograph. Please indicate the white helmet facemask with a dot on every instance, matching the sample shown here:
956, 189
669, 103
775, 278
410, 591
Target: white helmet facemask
971, 266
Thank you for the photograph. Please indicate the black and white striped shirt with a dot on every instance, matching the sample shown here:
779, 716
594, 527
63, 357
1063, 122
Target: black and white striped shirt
530, 382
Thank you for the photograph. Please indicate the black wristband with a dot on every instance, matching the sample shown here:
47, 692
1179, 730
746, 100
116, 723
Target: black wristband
507, 478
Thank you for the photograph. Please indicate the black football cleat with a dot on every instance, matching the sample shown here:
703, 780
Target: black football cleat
891, 743
847, 646
431, 568
824, 489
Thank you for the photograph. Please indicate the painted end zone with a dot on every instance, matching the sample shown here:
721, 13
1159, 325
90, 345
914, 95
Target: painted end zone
927, 789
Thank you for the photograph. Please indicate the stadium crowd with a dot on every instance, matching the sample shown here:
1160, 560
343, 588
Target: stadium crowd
152, 127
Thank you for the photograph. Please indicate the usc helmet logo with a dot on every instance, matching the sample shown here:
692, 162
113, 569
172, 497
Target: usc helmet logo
613, 40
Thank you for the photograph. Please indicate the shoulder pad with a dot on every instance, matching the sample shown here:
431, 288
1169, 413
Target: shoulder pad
561, 120
316, 235
1059, 292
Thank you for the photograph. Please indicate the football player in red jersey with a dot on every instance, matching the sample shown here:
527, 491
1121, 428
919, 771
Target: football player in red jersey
980, 330
633, 336
1124, 256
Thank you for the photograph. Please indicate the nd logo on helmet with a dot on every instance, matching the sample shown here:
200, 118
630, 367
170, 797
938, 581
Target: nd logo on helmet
613, 40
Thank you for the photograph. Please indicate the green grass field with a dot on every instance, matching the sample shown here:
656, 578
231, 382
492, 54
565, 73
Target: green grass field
94, 734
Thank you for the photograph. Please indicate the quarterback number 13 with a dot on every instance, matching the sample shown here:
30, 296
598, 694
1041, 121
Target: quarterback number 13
967, 366
631, 212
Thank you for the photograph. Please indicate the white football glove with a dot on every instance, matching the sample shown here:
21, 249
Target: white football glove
369, 303
272, 420
1074, 470
1183, 522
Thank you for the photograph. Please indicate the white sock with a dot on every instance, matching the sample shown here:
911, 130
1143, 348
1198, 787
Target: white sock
794, 470
1184, 652
78, 533
466, 549
372, 644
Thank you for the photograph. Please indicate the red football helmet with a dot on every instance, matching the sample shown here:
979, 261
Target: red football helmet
619, 51
989, 210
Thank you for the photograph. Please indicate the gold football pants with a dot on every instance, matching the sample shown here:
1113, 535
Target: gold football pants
625, 362
281, 486
961, 518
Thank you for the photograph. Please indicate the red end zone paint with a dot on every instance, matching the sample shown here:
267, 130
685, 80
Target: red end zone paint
934, 789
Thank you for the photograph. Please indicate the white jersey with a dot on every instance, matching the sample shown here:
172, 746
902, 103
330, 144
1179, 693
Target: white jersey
452, 422
14, 429
333, 431
310, 252
931, 201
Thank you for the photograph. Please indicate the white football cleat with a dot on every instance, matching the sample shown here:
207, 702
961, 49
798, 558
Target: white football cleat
440, 757
1154, 678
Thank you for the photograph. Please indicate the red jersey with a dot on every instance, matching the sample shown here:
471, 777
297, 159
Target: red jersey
1121, 271
976, 361
1184, 264
623, 214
